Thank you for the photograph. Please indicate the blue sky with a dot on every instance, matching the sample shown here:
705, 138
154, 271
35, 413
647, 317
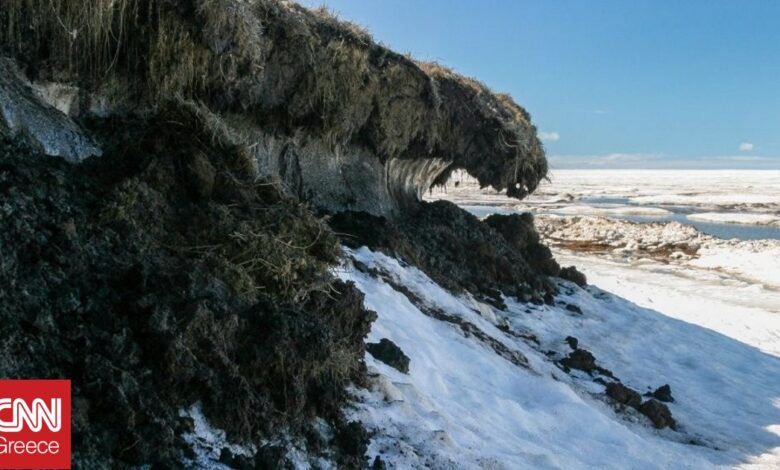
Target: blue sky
628, 83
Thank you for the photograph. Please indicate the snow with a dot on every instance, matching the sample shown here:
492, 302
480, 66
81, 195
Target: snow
207, 441
611, 209
737, 218
757, 262
619, 234
707, 199
464, 406
654, 193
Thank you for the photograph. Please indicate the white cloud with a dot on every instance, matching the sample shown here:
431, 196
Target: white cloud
549, 136
746, 147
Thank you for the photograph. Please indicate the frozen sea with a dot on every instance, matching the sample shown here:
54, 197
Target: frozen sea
727, 204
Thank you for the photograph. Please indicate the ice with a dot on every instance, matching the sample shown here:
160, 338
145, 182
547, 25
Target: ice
611, 209
738, 218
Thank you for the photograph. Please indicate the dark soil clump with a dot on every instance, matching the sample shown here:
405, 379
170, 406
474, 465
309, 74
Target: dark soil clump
580, 359
389, 353
162, 275
454, 248
658, 413
663, 393
520, 232
571, 273
574, 309
624, 395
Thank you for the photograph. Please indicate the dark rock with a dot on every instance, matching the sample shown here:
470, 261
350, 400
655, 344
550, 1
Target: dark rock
580, 359
571, 273
664, 393
389, 353
572, 342
658, 413
624, 395
574, 308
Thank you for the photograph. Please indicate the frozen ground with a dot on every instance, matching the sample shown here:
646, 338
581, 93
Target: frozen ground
463, 405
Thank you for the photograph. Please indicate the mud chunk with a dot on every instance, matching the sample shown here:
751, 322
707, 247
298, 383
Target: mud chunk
574, 308
389, 353
580, 359
663, 393
658, 413
571, 273
624, 395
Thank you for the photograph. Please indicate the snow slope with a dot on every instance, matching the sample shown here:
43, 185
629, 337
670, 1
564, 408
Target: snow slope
465, 405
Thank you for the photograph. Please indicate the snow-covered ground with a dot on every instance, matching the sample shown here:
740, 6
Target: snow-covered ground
463, 405
666, 304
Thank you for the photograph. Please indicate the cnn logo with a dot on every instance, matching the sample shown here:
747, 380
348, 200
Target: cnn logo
35, 424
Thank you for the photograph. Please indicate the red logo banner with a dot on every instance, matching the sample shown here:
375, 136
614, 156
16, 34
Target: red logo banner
35, 424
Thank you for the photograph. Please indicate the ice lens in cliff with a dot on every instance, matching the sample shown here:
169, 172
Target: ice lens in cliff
35, 424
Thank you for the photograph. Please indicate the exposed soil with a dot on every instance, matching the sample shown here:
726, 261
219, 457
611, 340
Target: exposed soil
164, 274
389, 353
455, 249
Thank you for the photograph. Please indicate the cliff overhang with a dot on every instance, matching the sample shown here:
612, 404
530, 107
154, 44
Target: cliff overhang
342, 121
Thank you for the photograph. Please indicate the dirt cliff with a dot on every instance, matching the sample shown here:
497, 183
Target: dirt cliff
179, 249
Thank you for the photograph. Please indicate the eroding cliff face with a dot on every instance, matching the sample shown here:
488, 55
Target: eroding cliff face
180, 265
341, 120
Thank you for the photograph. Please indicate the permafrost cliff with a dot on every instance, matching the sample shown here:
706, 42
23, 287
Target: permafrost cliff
165, 169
